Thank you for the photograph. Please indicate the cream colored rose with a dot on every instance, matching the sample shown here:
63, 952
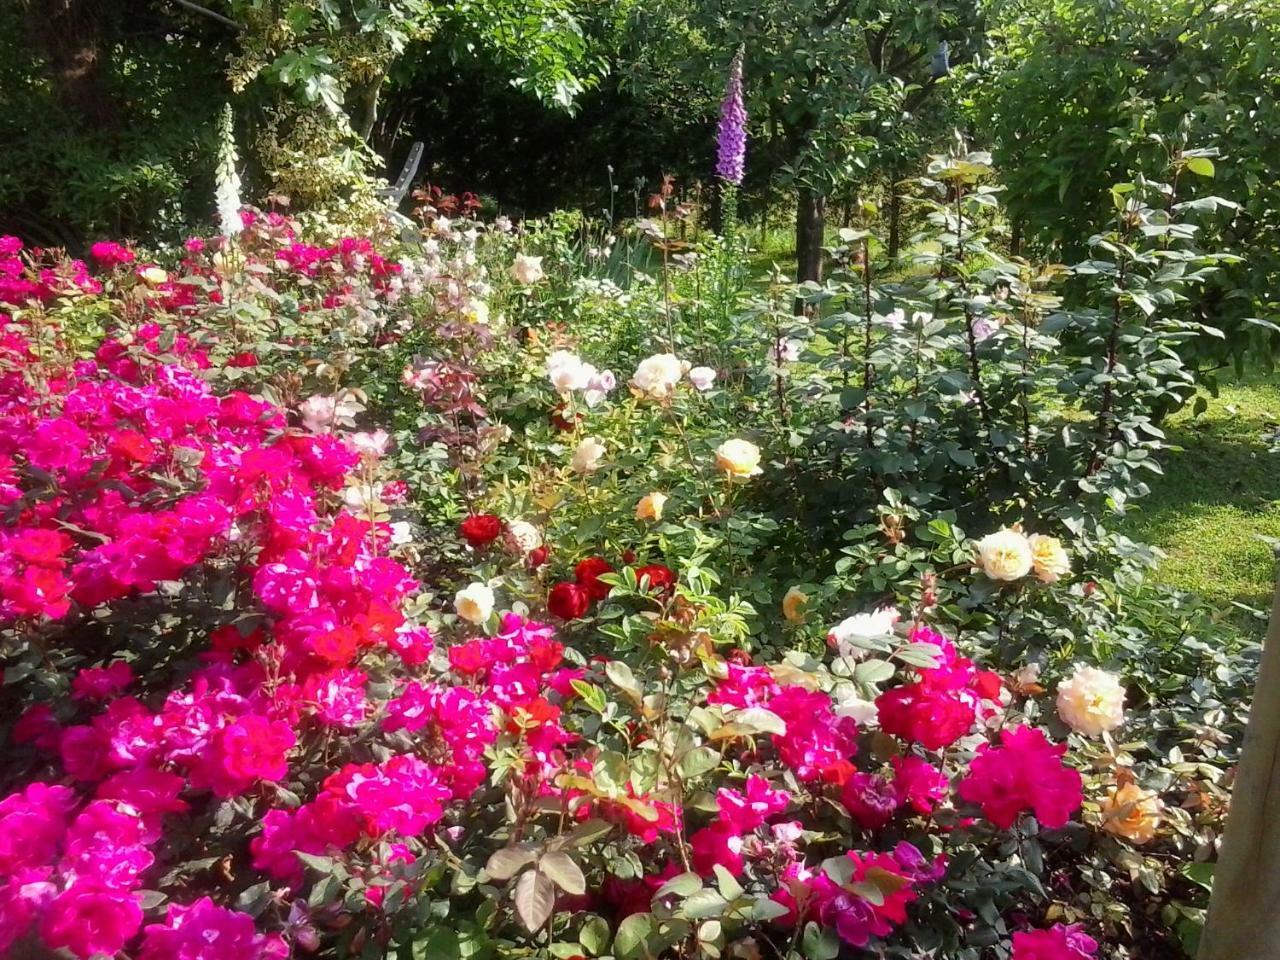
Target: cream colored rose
153, 275
793, 605
1005, 555
586, 459
738, 458
1091, 701
657, 376
1132, 813
1049, 558
522, 537
474, 603
650, 506
527, 270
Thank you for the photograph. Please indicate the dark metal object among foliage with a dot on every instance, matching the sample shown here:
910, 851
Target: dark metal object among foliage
396, 192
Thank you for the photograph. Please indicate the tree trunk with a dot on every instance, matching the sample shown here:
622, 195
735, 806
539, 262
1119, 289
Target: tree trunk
69, 34
810, 223
895, 223
367, 106
1243, 921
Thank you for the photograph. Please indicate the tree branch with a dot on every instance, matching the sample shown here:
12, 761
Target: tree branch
205, 11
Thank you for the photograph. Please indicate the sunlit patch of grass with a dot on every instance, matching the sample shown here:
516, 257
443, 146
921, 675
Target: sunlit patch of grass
1219, 495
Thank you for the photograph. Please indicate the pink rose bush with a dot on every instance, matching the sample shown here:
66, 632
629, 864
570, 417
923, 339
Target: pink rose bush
249, 724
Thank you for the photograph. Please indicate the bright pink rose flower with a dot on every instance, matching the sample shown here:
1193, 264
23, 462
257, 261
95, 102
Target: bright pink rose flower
90, 919
1024, 773
1059, 942
718, 844
206, 931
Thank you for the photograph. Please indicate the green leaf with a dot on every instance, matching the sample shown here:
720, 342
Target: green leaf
566, 874
632, 936
588, 832
819, 943
1201, 166
873, 671
507, 862
758, 720
728, 886
594, 936
535, 898
622, 677
697, 762
680, 886
702, 904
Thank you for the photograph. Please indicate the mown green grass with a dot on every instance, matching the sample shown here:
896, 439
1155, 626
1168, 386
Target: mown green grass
1220, 492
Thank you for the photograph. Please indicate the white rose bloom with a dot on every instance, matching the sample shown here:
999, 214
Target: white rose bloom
586, 459
318, 413
567, 372
895, 319
1005, 555
371, 445
702, 378
863, 712
861, 626
474, 603
527, 270
522, 537
360, 495
658, 375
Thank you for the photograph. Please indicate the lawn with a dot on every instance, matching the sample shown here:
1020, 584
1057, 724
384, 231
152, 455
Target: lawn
1220, 494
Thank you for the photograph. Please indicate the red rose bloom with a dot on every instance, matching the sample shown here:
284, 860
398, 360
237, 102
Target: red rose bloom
537, 557
481, 529
562, 422
660, 577
568, 601
587, 573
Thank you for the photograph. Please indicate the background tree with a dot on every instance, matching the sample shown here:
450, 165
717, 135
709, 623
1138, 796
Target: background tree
1077, 91
828, 80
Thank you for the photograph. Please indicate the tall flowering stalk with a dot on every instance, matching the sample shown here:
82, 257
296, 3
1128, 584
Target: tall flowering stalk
227, 186
731, 144
731, 137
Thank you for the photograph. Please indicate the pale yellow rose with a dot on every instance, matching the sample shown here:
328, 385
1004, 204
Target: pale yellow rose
650, 506
153, 275
738, 458
1132, 813
657, 376
1049, 558
793, 605
474, 603
527, 270
1005, 555
1091, 701
586, 459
